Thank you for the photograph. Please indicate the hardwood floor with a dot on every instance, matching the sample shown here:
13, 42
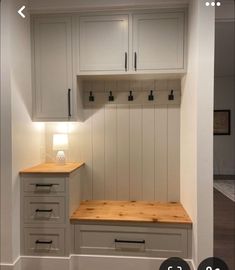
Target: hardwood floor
224, 229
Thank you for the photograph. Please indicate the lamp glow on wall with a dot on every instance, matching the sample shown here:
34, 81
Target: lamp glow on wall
60, 143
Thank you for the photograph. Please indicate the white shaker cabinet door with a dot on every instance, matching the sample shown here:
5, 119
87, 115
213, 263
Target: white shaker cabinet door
103, 43
52, 47
158, 41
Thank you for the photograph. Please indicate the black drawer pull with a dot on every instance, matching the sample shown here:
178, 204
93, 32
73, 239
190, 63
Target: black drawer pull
44, 211
43, 242
125, 61
135, 61
129, 241
69, 103
46, 185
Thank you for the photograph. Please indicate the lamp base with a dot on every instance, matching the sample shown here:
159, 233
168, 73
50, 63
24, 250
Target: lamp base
60, 158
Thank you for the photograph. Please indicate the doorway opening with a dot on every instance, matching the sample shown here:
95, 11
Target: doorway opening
224, 135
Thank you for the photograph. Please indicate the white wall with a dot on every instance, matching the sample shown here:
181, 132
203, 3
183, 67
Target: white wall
197, 129
21, 140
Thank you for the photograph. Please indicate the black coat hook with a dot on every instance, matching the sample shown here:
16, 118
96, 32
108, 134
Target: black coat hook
171, 96
91, 97
130, 97
111, 97
151, 96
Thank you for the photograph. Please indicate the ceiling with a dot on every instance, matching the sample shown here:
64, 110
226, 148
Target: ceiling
75, 5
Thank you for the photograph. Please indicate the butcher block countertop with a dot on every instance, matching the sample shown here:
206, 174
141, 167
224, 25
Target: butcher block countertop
50, 168
131, 211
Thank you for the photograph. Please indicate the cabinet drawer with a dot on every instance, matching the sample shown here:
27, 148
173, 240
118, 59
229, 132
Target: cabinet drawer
44, 210
47, 185
44, 242
124, 240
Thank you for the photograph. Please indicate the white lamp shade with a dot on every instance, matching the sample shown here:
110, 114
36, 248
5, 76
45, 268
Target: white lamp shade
60, 142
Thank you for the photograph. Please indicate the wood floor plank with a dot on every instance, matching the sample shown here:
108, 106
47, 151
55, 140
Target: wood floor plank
224, 229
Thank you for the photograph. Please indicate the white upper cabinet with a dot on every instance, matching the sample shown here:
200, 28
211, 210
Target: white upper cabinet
53, 80
103, 43
64, 46
147, 43
158, 41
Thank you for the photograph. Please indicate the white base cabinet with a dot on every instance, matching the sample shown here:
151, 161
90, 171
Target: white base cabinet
133, 240
44, 241
47, 202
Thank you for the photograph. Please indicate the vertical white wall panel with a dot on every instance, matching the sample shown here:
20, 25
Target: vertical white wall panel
173, 153
110, 153
87, 144
148, 152
136, 152
98, 154
123, 153
161, 131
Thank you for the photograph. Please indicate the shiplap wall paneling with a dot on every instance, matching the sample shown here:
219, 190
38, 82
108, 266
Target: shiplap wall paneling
173, 153
135, 152
87, 173
148, 152
161, 163
132, 152
123, 152
132, 148
110, 152
98, 143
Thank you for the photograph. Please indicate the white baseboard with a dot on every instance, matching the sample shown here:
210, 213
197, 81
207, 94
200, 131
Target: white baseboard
16, 265
86, 262
45, 263
225, 171
89, 262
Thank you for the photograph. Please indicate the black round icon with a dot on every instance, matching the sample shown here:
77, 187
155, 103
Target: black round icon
213, 264
174, 263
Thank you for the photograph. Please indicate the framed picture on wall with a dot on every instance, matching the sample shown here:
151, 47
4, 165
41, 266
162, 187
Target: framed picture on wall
222, 122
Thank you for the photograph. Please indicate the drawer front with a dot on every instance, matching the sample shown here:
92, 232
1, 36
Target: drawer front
44, 210
47, 185
140, 241
44, 242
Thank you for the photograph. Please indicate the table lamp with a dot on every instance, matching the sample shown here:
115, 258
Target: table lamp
60, 143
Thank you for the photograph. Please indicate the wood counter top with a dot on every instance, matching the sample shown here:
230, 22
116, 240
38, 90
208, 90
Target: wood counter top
131, 211
50, 168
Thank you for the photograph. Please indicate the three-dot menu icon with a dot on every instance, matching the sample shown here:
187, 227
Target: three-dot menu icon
213, 3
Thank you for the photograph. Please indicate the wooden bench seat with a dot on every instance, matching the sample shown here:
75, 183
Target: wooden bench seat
131, 211
132, 228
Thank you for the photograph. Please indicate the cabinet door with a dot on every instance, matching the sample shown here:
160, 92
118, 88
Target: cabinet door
158, 41
103, 43
52, 41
